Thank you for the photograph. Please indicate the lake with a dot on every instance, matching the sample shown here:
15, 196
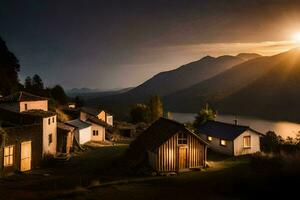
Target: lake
283, 128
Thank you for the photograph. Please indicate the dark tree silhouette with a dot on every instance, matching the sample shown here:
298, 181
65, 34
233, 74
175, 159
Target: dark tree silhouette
156, 108
9, 68
79, 102
140, 113
37, 82
59, 95
28, 83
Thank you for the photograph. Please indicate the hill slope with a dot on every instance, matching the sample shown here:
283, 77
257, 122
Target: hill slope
275, 95
167, 82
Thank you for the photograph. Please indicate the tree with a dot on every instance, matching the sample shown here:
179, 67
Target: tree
271, 142
28, 83
140, 113
156, 108
9, 68
204, 115
78, 102
37, 82
58, 93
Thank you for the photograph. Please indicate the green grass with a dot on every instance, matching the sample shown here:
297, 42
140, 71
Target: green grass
96, 174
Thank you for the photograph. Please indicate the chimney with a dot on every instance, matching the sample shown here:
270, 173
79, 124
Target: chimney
236, 121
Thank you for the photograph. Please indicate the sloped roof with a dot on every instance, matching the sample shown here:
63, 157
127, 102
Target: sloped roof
64, 126
223, 130
39, 113
95, 120
91, 111
160, 131
21, 96
77, 123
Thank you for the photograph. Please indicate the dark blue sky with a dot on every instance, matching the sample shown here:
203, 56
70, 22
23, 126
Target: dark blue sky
116, 44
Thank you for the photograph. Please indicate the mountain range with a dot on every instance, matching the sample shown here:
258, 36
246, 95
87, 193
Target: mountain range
246, 84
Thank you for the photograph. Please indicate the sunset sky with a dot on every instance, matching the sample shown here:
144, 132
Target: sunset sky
116, 44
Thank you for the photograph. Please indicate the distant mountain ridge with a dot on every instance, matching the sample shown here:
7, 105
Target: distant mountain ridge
166, 83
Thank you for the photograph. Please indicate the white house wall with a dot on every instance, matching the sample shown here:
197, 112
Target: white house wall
47, 130
109, 120
101, 132
85, 135
34, 105
239, 143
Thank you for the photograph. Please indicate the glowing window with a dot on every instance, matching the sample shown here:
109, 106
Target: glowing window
209, 138
8, 156
182, 138
247, 142
223, 142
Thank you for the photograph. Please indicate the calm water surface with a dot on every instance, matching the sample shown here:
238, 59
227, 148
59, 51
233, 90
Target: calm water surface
282, 128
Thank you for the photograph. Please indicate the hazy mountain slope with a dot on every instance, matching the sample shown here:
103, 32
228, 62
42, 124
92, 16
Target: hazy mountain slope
187, 75
275, 95
217, 88
166, 82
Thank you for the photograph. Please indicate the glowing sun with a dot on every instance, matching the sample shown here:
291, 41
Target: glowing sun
296, 37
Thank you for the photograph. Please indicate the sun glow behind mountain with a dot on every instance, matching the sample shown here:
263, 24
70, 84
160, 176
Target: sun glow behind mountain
296, 37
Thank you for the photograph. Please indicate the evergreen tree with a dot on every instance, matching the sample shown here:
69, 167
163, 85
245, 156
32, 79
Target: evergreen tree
28, 83
204, 115
156, 108
78, 102
9, 68
37, 82
140, 113
58, 93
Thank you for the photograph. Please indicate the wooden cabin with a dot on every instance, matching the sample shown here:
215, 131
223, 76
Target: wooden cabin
169, 146
230, 139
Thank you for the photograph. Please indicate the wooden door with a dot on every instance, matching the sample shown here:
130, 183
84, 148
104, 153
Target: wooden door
182, 160
25, 156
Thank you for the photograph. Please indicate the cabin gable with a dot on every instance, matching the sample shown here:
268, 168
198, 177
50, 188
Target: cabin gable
175, 155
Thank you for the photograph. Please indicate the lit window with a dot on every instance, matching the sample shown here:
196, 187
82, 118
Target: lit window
247, 142
8, 156
182, 138
223, 142
50, 139
49, 121
209, 138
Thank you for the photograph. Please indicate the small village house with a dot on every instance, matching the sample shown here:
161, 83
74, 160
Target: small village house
82, 132
98, 129
21, 148
65, 136
168, 146
87, 112
35, 107
230, 139
23, 101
